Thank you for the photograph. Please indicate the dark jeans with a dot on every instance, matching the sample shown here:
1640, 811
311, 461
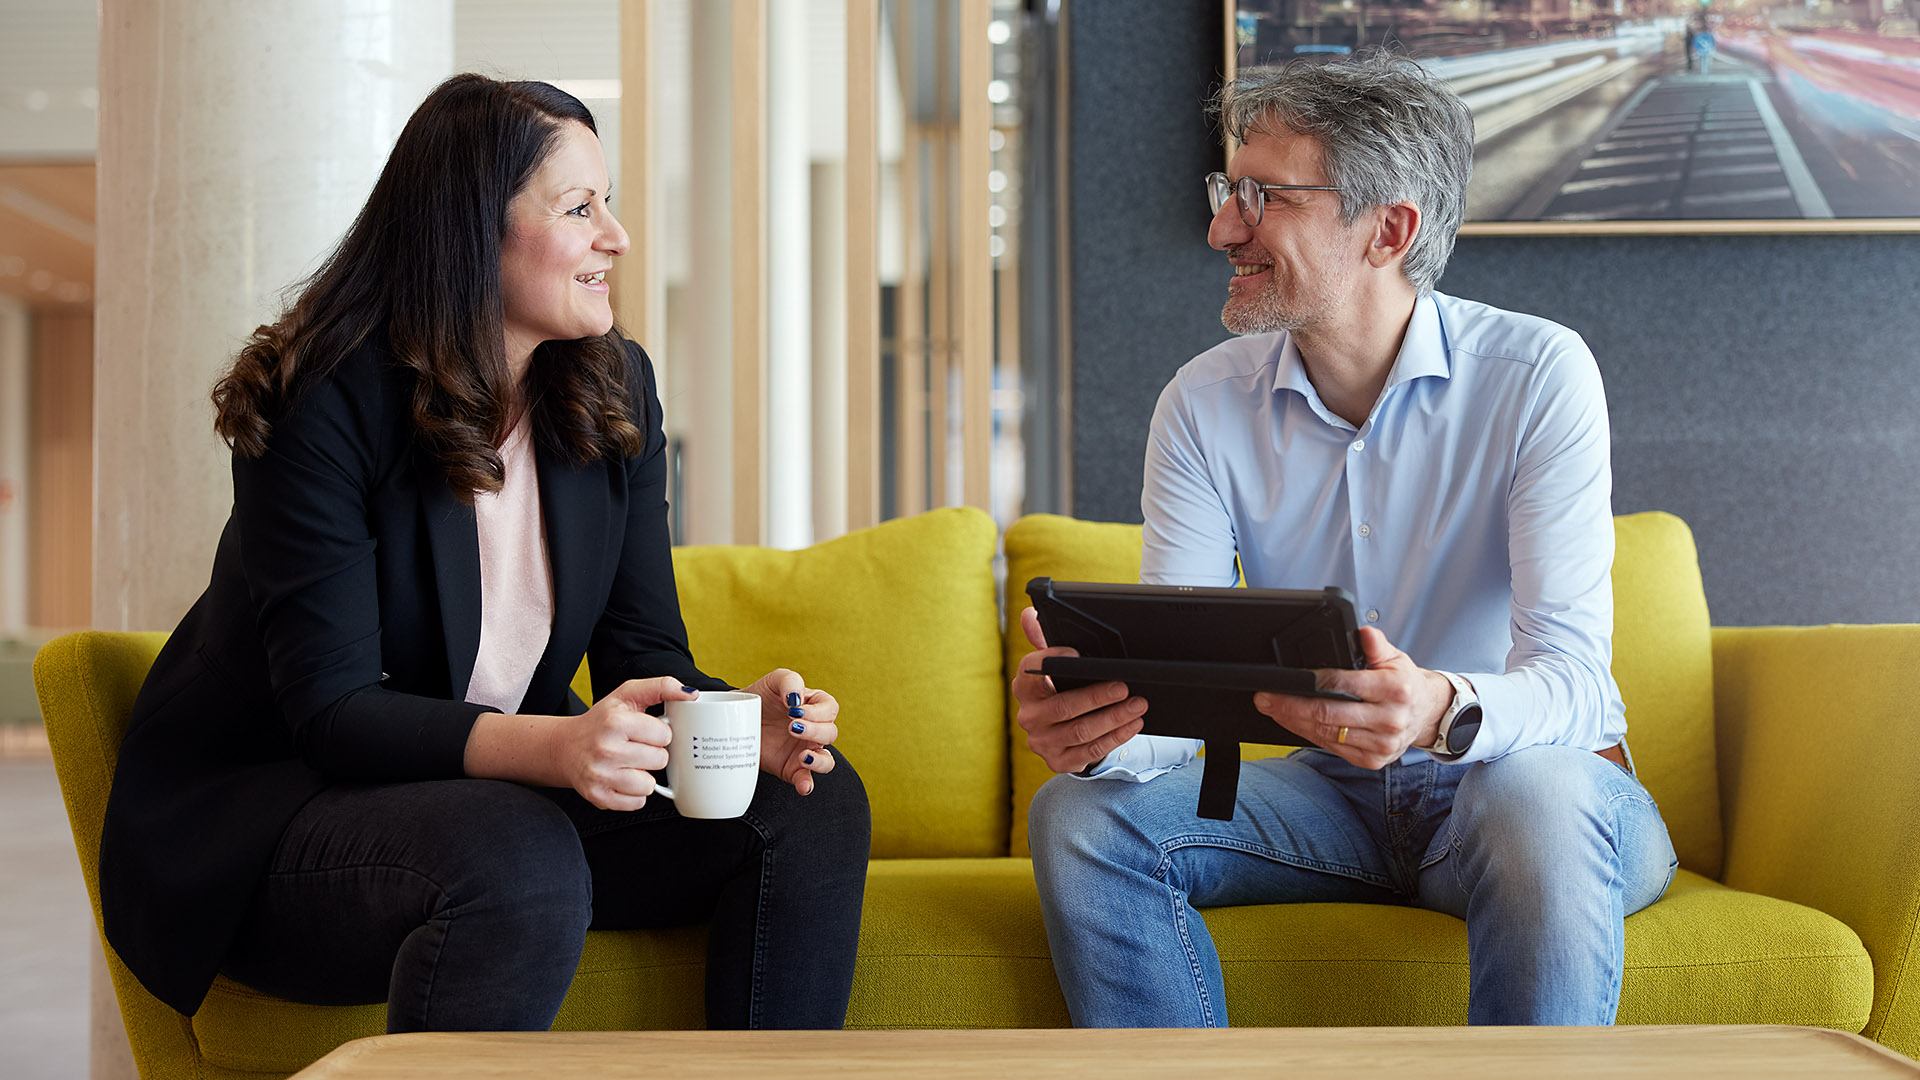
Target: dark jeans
464, 904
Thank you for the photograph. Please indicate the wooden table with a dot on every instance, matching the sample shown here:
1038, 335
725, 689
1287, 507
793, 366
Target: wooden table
1696, 1053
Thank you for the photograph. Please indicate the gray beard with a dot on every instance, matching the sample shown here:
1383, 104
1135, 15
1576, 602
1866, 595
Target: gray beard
1261, 317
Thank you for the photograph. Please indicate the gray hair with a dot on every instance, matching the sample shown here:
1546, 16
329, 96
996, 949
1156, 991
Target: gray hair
1388, 130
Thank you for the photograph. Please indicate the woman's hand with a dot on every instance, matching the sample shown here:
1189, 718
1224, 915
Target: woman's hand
796, 727
605, 753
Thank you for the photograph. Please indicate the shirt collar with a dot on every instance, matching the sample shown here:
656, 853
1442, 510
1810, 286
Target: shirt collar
1422, 352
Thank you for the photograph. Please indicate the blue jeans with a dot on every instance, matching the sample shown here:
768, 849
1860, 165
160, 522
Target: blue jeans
1543, 852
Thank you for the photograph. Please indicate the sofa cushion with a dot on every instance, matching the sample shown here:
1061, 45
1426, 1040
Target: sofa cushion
626, 981
1663, 659
959, 943
1705, 954
900, 622
1049, 545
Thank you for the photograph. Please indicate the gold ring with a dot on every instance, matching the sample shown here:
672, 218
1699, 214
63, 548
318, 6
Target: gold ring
1342, 737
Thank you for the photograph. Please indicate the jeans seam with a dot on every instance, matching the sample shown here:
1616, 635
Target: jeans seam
760, 919
1178, 905
415, 871
1173, 844
1405, 861
1455, 847
433, 976
1617, 975
599, 828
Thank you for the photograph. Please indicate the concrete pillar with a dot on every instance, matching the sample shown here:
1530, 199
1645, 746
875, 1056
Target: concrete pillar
236, 143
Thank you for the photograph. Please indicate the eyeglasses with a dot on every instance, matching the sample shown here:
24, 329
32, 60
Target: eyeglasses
1251, 194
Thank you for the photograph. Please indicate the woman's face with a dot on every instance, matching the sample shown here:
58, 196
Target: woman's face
561, 238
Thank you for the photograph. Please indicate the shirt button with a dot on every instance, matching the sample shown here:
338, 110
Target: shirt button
1365, 529
1359, 445
1373, 614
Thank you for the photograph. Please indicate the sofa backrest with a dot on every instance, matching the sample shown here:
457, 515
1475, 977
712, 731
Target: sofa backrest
1663, 659
86, 683
901, 624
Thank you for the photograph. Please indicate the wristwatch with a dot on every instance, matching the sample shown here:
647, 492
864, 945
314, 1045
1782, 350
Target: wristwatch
1460, 723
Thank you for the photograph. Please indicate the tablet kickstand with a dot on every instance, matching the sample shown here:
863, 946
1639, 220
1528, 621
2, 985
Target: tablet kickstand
1221, 780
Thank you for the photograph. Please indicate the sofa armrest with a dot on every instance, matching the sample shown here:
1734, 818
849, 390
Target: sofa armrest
1819, 758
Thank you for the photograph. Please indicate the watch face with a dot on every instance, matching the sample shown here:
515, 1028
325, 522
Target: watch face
1465, 727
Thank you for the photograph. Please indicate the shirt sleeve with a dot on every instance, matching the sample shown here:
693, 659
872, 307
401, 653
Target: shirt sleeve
1187, 535
1187, 539
1558, 686
1142, 758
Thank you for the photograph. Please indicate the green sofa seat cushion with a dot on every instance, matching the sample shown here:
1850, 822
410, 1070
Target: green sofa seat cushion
959, 943
626, 980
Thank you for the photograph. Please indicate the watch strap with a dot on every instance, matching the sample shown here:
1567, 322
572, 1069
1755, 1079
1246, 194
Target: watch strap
1464, 700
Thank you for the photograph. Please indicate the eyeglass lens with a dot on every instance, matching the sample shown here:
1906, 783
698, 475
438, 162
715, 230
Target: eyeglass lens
1246, 192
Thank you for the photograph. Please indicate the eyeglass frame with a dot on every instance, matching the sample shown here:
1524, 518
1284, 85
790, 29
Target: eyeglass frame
1238, 189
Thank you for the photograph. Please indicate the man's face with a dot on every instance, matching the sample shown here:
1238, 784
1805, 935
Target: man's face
1296, 268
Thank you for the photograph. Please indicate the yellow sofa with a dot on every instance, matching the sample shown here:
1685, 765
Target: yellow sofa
1782, 757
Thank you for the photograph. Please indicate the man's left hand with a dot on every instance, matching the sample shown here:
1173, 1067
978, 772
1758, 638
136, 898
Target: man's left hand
1400, 706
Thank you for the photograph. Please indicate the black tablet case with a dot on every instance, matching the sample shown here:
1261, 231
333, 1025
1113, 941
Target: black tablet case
1197, 655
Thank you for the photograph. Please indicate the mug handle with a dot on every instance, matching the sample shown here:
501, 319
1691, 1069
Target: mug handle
662, 789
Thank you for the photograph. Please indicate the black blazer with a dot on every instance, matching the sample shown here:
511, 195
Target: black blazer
336, 640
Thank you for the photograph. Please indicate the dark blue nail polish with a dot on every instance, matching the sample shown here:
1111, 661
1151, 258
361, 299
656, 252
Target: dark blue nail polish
685, 689
808, 759
798, 728
796, 713
793, 701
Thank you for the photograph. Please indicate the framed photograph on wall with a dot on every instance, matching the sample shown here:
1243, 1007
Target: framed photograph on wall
1650, 115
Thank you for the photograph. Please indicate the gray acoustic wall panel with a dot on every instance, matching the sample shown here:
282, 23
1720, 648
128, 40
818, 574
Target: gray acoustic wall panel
1144, 289
1767, 389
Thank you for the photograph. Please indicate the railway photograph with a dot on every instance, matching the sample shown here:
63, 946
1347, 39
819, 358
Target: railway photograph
1659, 110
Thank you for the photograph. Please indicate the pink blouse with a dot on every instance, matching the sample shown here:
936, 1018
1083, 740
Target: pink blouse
516, 580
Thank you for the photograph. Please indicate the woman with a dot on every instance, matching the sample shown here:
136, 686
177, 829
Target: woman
356, 772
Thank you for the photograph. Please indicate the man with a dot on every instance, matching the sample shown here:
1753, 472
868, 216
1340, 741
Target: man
1445, 462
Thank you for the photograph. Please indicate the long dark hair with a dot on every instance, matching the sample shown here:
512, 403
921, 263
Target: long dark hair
421, 268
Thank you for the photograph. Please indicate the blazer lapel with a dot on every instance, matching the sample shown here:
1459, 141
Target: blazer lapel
575, 505
453, 533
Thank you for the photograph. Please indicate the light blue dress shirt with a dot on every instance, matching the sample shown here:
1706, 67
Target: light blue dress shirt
1470, 516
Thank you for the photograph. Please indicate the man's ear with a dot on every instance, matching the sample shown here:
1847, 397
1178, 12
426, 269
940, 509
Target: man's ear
1395, 227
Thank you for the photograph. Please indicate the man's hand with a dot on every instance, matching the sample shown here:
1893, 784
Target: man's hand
1400, 706
1073, 729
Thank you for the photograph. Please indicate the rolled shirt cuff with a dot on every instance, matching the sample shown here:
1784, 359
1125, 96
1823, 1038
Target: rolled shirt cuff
1142, 758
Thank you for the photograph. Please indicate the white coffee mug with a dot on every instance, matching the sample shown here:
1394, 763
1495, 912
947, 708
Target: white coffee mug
713, 763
